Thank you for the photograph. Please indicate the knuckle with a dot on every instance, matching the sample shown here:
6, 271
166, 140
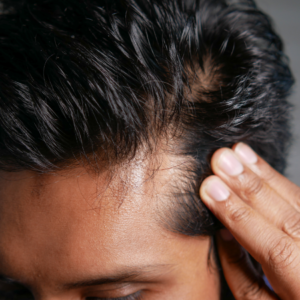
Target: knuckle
282, 254
292, 226
238, 214
250, 291
253, 187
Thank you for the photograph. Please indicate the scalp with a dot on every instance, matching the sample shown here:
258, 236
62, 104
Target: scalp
90, 83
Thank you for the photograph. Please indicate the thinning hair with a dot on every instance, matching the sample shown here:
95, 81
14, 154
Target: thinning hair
93, 81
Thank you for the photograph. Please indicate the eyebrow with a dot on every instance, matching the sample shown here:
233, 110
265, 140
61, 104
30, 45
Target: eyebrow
126, 275
129, 274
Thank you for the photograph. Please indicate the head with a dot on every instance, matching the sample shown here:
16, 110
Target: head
110, 112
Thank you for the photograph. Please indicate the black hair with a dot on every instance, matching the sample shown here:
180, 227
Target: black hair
93, 80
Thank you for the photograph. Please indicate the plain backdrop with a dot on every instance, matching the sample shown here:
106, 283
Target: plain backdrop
286, 18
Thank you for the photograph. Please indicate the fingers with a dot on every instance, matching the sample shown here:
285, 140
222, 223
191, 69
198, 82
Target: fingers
241, 277
280, 184
273, 249
261, 209
256, 191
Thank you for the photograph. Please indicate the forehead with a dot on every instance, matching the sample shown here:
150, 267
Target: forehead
51, 224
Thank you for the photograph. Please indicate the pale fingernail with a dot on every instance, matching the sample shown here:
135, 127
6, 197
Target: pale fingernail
229, 163
246, 153
217, 190
226, 235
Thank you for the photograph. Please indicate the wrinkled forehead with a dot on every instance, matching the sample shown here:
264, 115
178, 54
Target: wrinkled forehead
63, 214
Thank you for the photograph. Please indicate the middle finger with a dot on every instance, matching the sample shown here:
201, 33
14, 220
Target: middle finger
256, 192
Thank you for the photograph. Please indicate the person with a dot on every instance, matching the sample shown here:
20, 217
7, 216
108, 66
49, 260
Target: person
113, 114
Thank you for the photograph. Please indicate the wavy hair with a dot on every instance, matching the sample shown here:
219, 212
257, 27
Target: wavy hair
94, 80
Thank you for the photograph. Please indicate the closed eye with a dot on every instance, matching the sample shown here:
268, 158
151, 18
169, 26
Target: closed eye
18, 292
135, 296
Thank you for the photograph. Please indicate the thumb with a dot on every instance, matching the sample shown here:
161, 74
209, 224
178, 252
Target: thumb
242, 278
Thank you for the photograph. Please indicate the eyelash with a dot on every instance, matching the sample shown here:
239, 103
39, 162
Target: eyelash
135, 296
21, 292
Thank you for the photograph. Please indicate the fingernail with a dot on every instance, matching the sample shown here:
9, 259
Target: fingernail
217, 190
226, 235
229, 163
246, 153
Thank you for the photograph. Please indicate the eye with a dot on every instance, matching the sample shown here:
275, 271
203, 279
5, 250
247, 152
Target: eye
135, 296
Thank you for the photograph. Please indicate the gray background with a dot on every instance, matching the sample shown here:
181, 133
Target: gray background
286, 17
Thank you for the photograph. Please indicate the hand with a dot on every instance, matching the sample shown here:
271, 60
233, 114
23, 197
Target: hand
261, 210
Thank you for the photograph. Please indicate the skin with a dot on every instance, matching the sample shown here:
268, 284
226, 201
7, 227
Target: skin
74, 235
261, 209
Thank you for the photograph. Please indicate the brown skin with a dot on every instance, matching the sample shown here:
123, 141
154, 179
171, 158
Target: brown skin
261, 209
63, 233
74, 227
